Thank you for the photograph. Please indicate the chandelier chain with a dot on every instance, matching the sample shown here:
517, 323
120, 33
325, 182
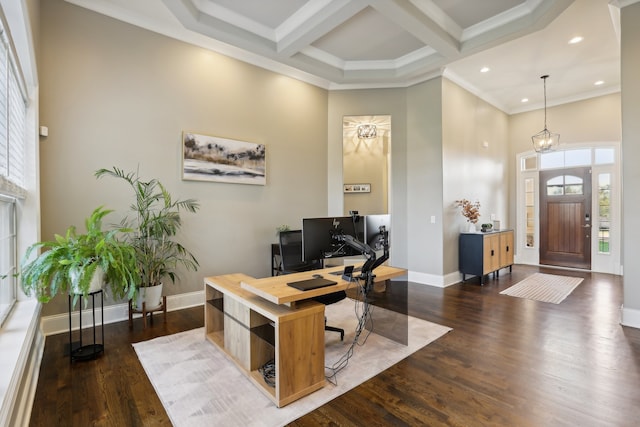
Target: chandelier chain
544, 81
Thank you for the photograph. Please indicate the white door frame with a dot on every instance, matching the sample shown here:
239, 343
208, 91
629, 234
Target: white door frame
600, 262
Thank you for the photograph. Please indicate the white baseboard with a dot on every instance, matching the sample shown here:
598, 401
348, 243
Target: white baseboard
630, 317
59, 323
434, 280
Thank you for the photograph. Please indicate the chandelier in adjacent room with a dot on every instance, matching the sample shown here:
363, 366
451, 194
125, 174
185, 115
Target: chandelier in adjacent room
367, 131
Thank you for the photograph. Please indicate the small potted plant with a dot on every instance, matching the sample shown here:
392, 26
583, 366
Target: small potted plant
155, 221
471, 211
81, 263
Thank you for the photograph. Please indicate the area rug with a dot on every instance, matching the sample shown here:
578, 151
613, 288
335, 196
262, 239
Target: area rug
199, 386
544, 287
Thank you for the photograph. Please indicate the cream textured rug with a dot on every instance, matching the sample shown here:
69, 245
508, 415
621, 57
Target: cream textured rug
199, 386
544, 287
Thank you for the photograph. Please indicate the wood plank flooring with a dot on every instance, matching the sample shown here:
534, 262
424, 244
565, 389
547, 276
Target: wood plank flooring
507, 362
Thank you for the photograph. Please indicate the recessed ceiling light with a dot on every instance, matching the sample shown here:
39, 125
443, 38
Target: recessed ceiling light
599, 82
525, 100
576, 39
484, 69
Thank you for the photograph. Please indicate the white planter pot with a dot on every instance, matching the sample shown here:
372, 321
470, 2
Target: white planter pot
95, 285
151, 296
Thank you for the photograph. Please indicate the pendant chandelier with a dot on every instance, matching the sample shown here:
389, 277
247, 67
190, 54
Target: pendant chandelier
367, 131
545, 140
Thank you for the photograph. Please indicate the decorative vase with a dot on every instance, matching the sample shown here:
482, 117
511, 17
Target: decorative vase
151, 296
95, 285
472, 227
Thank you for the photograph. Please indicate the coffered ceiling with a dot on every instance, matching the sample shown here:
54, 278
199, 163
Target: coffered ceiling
344, 44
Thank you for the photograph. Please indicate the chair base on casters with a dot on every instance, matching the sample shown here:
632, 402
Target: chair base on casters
334, 329
331, 299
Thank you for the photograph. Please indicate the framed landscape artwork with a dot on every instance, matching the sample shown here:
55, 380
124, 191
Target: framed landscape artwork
210, 158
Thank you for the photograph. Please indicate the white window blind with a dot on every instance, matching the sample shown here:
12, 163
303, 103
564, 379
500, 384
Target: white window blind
16, 116
13, 111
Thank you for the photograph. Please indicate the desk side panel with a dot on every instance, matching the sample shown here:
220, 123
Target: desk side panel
300, 357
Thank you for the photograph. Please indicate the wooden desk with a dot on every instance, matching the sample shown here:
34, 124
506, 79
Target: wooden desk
251, 331
276, 290
249, 319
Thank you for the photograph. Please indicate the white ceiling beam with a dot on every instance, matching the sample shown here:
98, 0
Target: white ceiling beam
421, 26
312, 26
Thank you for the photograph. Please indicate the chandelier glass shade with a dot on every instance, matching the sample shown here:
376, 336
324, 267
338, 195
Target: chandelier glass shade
367, 131
545, 140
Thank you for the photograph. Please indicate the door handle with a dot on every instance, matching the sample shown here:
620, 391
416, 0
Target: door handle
586, 226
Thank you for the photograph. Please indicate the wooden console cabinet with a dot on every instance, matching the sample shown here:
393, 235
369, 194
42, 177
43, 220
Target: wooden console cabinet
483, 253
252, 331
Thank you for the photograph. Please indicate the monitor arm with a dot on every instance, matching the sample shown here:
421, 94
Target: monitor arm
372, 261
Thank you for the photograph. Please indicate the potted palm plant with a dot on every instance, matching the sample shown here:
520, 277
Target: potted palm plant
81, 263
155, 220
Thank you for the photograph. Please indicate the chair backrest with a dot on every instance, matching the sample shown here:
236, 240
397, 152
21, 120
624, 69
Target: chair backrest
291, 251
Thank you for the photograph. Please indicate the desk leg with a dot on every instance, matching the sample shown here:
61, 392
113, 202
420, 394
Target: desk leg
300, 357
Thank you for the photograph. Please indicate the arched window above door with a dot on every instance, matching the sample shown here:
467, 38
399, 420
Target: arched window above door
565, 185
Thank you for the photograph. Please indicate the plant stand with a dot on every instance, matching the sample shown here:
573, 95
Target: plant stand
78, 351
162, 307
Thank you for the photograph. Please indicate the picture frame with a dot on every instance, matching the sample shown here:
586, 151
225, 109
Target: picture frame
216, 159
357, 188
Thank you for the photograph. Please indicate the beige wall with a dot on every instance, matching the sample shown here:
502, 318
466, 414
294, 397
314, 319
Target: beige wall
630, 17
432, 115
372, 102
592, 120
113, 94
475, 159
424, 181
366, 161
116, 95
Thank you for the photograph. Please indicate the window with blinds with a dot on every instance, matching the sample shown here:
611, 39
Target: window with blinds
13, 110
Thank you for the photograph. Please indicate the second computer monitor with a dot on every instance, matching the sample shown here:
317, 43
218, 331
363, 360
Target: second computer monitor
373, 234
322, 237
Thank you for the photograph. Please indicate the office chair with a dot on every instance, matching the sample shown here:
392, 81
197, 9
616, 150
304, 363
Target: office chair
291, 253
291, 258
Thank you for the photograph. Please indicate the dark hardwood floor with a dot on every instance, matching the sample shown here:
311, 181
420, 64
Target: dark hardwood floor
507, 362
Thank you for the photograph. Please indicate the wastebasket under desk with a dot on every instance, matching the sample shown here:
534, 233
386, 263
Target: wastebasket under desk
251, 331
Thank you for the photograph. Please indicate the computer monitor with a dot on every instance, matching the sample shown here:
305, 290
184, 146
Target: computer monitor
321, 237
373, 224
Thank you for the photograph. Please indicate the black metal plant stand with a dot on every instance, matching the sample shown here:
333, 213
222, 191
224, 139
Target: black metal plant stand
78, 351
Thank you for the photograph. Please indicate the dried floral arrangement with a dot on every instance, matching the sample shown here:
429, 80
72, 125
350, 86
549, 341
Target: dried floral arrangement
470, 210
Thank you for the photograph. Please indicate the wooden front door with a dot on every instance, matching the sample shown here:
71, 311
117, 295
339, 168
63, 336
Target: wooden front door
565, 217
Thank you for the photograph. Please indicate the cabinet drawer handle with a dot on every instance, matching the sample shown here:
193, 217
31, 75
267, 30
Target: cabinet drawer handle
507, 248
491, 252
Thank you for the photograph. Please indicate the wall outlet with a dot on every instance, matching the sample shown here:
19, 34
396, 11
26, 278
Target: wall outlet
433, 219
493, 217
